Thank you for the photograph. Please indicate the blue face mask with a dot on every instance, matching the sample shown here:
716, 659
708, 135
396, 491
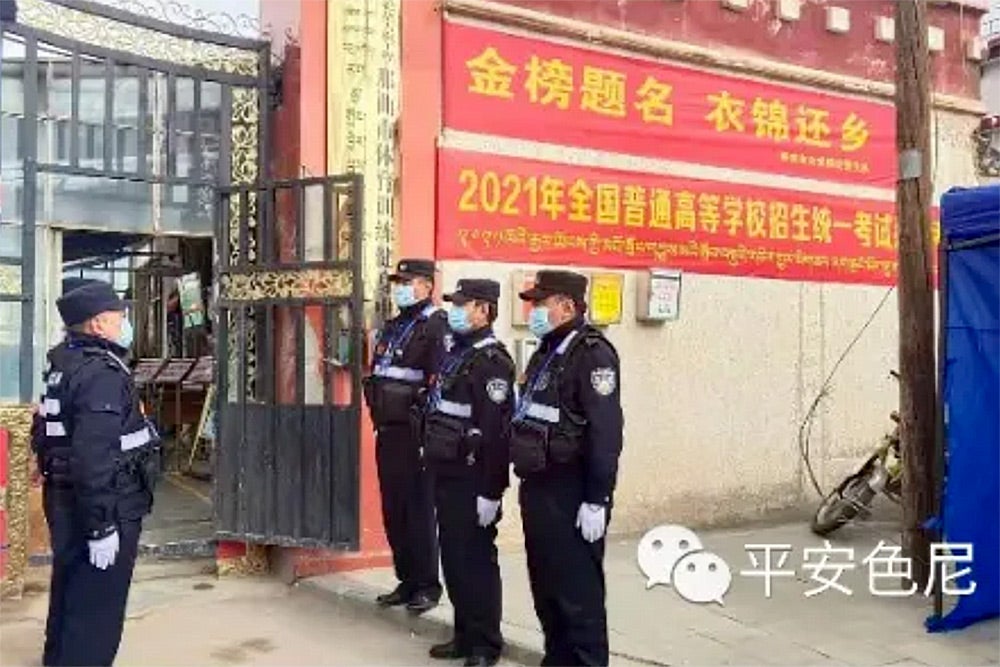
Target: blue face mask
403, 296
538, 321
125, 338
458, 320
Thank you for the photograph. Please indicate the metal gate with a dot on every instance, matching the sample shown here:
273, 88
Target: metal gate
118, 122
156, 128
290, 339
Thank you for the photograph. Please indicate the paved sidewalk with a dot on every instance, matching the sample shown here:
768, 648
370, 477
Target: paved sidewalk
178, 617
658, 627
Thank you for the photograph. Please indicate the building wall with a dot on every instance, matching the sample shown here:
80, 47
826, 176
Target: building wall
804, 41
990, 85
715, 400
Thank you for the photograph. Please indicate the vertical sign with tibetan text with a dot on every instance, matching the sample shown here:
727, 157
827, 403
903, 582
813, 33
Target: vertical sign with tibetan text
364, 86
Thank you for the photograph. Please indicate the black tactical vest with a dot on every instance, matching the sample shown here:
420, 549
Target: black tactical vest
137, 464
547, 430
448, 432
392, 389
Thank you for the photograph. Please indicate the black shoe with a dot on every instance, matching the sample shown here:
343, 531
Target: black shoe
393, 599
420, 603
478, 660
446, 651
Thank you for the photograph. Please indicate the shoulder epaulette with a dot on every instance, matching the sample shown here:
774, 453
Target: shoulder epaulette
500, 351
595, 337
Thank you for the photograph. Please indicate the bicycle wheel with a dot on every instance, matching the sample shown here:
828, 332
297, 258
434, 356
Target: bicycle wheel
840, 507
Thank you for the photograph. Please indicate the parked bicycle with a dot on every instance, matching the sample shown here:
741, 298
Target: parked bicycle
881, 473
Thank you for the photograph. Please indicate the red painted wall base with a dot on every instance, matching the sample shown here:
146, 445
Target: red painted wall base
313, 563
299, 563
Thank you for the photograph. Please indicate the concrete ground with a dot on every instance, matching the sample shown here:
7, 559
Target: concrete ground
182, 512
180, 525
181, 618
658, 627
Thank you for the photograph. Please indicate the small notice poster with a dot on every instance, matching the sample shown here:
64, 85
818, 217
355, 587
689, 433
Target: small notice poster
606, 298
189, 290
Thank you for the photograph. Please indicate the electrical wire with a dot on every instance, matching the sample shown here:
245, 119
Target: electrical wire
805, 428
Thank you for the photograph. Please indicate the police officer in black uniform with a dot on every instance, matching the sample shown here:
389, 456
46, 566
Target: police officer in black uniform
99, 458
408, 352
565, 442
466, 444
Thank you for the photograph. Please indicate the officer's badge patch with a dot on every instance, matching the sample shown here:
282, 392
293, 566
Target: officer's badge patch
497, 390
449, 342
603, 380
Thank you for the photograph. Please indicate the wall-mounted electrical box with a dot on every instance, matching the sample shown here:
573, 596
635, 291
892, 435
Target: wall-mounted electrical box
658, 294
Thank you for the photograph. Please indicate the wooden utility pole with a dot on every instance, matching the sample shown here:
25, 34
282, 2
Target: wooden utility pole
916, 290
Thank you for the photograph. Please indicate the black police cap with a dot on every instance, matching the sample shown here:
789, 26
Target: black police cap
407, 269
70, 284
548, 283
8, 10
87, 301
475, 289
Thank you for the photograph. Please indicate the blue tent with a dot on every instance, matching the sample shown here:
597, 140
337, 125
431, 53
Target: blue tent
970, 382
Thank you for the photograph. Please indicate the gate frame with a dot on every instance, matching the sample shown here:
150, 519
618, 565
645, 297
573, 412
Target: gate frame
251, 273
49, 22
118, 37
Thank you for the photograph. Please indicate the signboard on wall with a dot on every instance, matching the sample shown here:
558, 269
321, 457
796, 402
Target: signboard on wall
192, 307
663, 295
530, 88
500, 208
605, 291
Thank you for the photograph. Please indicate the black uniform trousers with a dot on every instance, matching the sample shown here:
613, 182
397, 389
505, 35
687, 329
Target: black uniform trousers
408, 510
86, 605
565, 571
471, 568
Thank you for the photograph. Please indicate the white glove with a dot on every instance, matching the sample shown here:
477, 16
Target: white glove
104, 551
591, 520
487, 510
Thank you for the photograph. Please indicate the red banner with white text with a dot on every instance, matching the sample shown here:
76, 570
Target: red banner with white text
498, 208
534, 89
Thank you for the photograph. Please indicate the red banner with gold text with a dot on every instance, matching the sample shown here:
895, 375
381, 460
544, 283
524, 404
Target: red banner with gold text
498, 208
496, 83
